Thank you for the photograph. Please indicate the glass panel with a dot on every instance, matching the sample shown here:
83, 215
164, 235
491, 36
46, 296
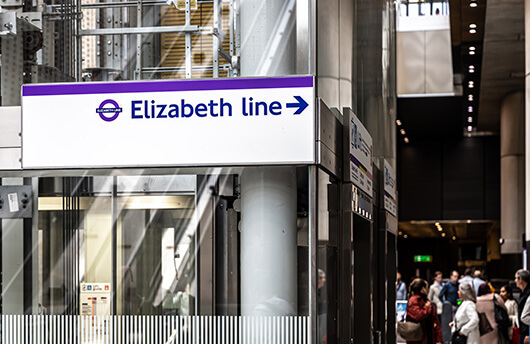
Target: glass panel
172, 244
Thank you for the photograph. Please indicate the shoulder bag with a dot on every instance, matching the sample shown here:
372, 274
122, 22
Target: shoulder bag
501, 316
484, 325
410, 331
458, 338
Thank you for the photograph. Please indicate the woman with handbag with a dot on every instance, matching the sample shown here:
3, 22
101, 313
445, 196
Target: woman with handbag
420, 310
465, 326
486, 304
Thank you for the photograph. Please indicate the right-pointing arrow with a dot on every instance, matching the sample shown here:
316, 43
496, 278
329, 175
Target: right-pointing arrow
301, 105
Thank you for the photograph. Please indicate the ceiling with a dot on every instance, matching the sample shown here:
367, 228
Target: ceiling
502, 59
461, 230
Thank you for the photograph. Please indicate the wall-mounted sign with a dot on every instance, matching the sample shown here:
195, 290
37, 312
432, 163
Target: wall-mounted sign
422, 259
95, 299
390, 189
360, 153
210, 122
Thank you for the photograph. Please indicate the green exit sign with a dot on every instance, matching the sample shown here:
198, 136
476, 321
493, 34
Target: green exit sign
422, 259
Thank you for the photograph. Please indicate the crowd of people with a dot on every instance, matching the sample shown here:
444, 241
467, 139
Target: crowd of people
478, 314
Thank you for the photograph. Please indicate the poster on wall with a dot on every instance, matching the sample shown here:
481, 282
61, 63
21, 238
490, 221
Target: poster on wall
361, 154
390, 189
95, 299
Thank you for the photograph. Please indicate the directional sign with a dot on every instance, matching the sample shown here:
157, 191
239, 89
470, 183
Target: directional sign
169, 123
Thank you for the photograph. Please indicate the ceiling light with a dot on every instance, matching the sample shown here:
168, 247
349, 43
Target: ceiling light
471, 48
472, 26
402, 131
437, 224
405, 236
470, 97
406, 139
472, 31
473, 4
443, 235
469, 109
454, 237
471, 69
469, 128
470, 119
398, 122
400, 233
440, 229
471, 84
471, 53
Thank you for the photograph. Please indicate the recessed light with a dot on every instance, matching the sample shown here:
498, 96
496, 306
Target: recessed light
402, 131
470, 119
437, 224
398, 122
472, 26
406, 139
454, 238
473, 4
471, 53
440, 229
469, 128
471, 84
472, 31
443, 235
471, 48
470, 97
469, 109
405, 236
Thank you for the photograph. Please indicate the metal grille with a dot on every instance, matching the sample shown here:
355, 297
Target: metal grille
60, 329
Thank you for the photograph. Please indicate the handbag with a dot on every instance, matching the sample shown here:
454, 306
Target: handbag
515, 335
484, 325
410, 331
458, 338
501, 316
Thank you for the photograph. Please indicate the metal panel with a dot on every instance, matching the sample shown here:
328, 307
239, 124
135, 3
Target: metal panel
410, 62
10, 158
16, 201
11, 74
438, 62
329, 140
11, 126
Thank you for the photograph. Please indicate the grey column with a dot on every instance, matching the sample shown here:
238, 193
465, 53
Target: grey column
512, 172
268, 194
527, 114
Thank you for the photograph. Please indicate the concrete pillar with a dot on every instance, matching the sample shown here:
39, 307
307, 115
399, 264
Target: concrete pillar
268, 241
527, 114
268, 194
512, 172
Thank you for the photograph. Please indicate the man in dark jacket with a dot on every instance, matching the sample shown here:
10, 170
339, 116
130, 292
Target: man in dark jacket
522, 279
449, 291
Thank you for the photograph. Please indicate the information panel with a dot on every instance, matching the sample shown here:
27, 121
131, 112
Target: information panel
361, 154
390, 189
239, 121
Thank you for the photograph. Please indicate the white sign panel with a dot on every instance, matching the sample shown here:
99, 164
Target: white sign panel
95, 299
390, 189
361, 155
235, 121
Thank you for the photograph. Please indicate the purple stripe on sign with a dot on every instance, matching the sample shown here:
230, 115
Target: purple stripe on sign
166, 86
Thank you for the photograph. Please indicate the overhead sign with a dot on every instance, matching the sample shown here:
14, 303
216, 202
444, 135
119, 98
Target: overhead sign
235, 121
390, 189
361, 154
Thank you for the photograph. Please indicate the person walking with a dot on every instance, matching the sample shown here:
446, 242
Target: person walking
466, 317
486, 304
449, 291
511, 307
401, 288
467, 277
434, 292
420, 310
522, 280
477, 280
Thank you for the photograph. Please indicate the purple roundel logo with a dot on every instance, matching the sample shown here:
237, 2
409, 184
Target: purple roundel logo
114, 109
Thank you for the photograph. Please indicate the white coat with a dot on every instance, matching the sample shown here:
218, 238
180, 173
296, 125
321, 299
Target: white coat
466, 321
